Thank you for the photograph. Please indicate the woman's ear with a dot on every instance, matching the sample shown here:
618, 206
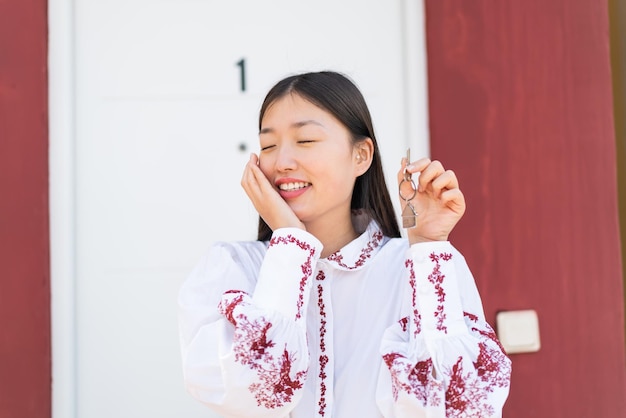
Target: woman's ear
363, 154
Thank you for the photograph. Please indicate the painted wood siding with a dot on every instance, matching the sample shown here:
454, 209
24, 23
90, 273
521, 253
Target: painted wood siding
24, 243
521, 109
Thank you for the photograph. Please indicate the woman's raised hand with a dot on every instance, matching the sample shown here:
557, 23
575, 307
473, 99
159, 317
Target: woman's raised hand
271, 207
438, 202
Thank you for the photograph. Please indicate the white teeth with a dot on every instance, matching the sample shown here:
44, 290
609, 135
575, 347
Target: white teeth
293, 186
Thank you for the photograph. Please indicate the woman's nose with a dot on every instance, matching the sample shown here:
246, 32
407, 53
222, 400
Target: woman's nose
285, 159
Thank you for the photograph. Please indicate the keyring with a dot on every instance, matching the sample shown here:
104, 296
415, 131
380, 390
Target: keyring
413, 186
408, 214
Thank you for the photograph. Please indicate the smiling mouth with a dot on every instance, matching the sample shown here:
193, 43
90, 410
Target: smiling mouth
290, 187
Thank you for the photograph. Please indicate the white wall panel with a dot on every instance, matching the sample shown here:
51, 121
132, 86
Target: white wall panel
159, 123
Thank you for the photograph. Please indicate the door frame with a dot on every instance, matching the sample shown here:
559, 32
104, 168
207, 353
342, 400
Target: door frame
61, 101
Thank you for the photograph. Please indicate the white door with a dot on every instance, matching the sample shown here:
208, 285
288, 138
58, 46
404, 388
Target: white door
167, 94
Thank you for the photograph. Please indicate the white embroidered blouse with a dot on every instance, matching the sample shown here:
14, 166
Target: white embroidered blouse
377, 329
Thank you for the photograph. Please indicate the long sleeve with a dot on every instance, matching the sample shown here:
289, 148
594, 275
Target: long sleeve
442, 359
243, 326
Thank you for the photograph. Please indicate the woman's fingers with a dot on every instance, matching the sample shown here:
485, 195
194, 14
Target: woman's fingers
438, 199
454, 200
431, 173
412, 167
266, 200
445, 181
433, 178
433, 170
255, 184
248, 180
253, 179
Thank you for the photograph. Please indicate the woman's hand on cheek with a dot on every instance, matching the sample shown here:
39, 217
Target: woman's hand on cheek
271, 207
438, 202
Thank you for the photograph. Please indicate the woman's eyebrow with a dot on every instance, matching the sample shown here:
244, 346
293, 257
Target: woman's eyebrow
299, 124
306, 122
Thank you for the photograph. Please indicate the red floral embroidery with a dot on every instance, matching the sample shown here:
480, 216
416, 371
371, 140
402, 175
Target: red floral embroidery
467, 394
323, 358
492, 367
300, 302
469, 385
470, 316
436, 278
307, 270
366, 252
414, 379
404, 323
230, 300
491, 334
253, 348
417, 319
276, 386
487, 332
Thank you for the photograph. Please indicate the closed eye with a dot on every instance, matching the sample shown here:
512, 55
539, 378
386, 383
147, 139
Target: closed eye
306, 141
267, 147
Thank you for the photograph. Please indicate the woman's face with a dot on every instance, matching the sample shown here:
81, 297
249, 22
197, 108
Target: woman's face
307, 154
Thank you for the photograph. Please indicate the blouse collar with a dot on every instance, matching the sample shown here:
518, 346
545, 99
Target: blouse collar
362, 249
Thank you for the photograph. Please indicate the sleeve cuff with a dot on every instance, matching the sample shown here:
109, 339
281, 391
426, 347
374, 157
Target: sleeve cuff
433, 279
286, 273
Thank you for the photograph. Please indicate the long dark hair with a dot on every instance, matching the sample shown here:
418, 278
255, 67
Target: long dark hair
339, 96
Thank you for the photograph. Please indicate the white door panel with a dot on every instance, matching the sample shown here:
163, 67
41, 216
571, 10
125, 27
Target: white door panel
163, 130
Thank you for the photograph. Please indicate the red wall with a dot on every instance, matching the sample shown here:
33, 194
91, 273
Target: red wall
24, 248
521, 109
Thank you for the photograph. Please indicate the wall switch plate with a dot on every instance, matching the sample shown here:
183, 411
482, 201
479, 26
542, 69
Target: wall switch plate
518, 331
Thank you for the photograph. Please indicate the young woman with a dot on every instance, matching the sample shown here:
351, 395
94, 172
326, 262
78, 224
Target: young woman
330, 313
